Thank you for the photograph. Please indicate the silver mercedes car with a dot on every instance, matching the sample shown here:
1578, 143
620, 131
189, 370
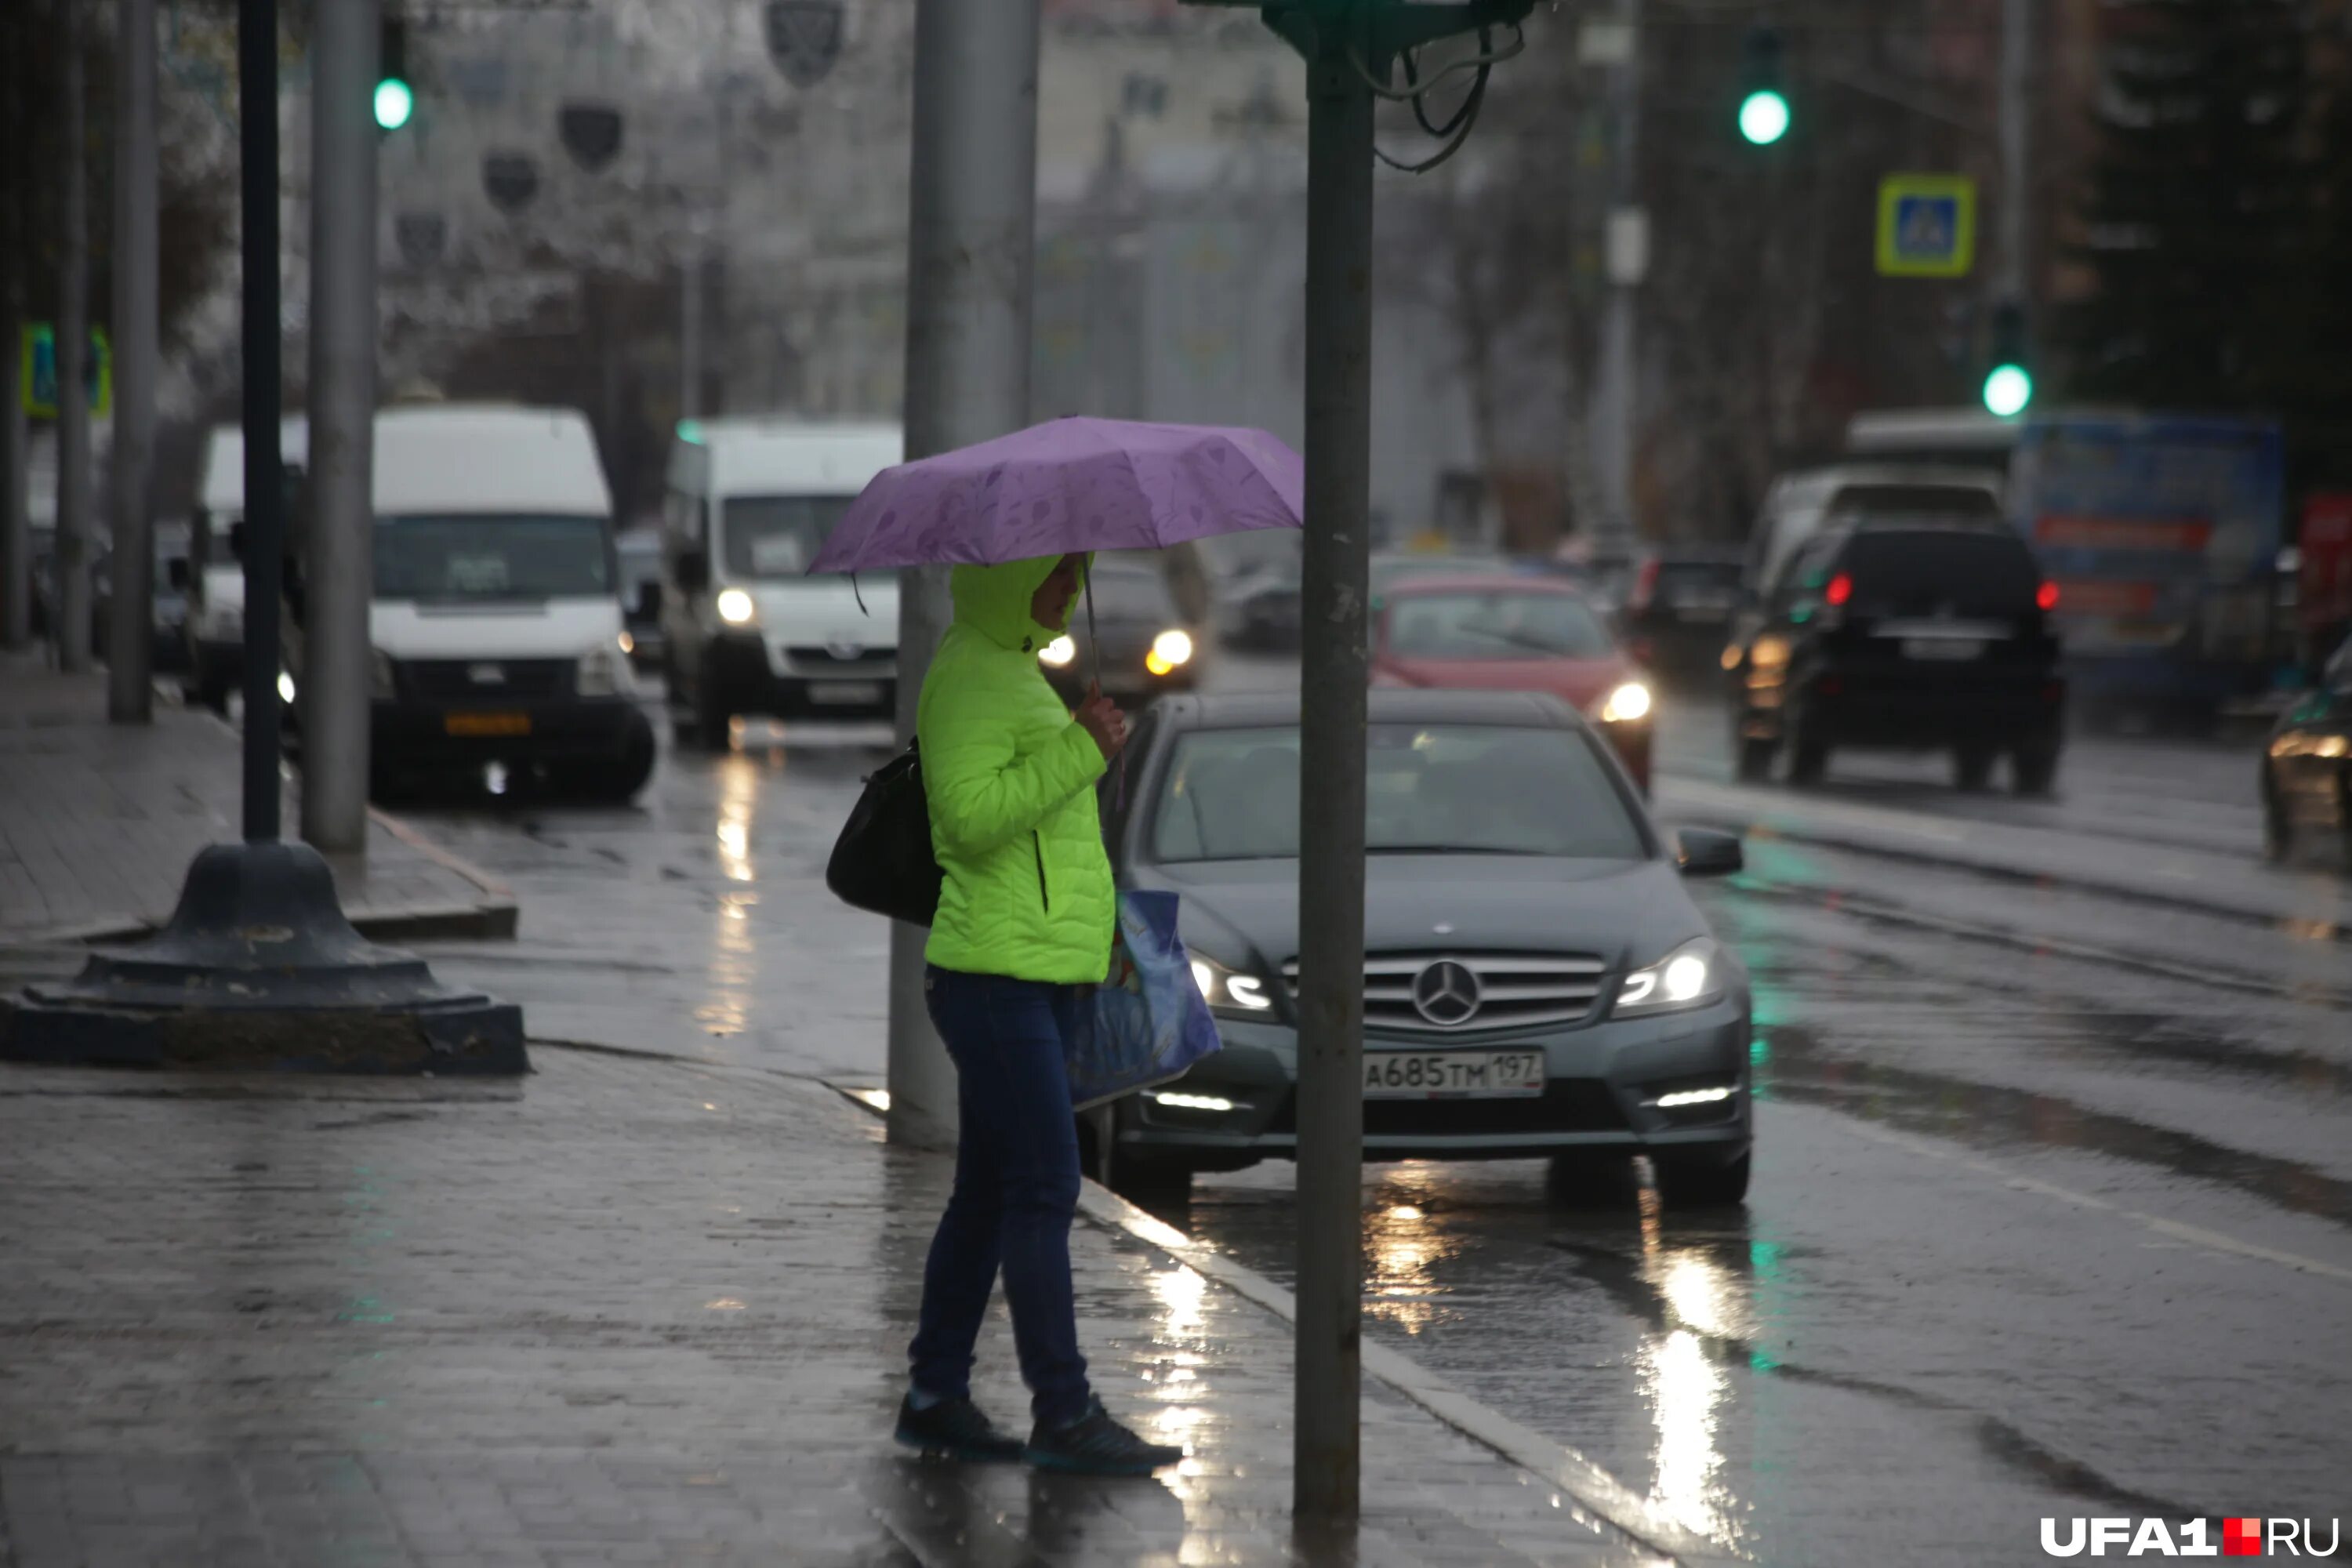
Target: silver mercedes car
1537, 981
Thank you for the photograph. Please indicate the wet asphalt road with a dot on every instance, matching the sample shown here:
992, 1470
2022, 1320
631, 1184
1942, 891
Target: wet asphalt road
2052, 1212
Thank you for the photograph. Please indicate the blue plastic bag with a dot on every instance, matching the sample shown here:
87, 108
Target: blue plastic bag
1148, 1022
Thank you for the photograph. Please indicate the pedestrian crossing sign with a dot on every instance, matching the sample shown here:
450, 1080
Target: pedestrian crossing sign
1926, 225
37, 377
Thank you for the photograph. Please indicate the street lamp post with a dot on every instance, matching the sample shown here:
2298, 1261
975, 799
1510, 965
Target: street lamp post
129, 685
971, 237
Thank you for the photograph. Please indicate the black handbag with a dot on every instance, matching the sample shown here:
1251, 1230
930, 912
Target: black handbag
883, 860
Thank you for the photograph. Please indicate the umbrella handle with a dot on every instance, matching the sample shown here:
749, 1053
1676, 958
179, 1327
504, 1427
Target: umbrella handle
1094, 644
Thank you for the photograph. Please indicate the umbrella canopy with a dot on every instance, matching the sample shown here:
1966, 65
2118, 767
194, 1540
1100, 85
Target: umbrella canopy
1067, 487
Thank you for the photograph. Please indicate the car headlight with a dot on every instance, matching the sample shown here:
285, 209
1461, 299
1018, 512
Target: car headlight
1690, 976
1058, 652
1168, 649
379, 673
1627, 703
1231, 991
735, 607
604, 672
286, 688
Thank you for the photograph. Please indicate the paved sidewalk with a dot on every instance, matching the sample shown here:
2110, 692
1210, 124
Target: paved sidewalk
627, 1310
98, 821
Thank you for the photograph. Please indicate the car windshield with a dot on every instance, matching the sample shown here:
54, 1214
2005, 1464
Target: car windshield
1932, 571
1131, 596
778, 536
1395, 569
1494, 624
1470, 789
492, 557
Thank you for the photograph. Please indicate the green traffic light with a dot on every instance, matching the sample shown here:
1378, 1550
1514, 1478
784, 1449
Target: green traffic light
1764, 117
395, 102
2008, 390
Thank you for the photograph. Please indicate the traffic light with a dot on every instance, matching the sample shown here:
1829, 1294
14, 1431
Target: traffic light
1764, 113
395, 100
2009, 383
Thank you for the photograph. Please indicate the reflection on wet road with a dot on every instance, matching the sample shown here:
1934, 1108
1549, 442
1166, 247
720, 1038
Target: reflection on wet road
2052, 1212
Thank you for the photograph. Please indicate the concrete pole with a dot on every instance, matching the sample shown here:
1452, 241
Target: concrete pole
130, 648
265, 468
971, 237
2016, 125
339, 565
72, 630
16, 453
1619, 325
1335, 672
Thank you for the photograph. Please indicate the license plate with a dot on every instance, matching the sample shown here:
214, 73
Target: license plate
846, 693
1453, 1074
1950, 649
487, 724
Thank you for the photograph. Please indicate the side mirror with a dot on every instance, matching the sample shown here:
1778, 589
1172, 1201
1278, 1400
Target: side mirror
1705, 852
693, 569
176, 572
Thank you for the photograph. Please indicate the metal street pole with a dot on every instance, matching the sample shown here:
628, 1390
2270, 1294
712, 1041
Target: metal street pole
339, 568
1334, 679
970, 241
2016, 124
72, 630
689, 329
264, 480
16, 526
129, 688
1618, 326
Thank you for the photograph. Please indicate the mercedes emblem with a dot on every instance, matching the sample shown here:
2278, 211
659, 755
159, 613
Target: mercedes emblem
1447, 993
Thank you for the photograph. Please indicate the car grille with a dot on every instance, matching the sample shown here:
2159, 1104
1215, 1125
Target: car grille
861, 659
1566, 1105
462, 680
1512, 990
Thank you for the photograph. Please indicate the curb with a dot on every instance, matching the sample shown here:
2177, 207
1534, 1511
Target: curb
495, 914
1765, 824
1591, 1487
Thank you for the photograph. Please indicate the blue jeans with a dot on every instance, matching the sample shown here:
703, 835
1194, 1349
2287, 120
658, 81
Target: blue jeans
1017, 1188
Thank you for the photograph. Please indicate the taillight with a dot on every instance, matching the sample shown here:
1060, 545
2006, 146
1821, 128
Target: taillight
1646, 585
2046, 596
1840, 590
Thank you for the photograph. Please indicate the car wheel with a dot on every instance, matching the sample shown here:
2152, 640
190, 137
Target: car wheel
2278, 833
1755, 764
713, 718
1151, 1184
1584, 1178
2035, 767
618, 780
1701, 1182
1972, 768
1809, 755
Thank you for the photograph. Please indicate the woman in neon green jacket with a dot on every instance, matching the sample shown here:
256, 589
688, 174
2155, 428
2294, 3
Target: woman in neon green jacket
1024, 924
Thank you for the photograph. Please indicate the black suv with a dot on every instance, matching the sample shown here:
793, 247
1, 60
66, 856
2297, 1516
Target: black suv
1906, 635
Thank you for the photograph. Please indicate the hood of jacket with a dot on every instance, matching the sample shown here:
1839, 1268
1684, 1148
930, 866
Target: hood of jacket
994, 600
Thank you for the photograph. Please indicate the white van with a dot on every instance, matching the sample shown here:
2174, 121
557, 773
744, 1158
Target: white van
745, 630
216, 576
496, 619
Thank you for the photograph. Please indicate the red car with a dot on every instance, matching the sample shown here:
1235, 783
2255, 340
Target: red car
1515, 633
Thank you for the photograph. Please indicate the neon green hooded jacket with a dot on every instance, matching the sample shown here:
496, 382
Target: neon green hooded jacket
1009, 775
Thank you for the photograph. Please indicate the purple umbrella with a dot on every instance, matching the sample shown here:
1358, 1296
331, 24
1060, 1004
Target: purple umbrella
1069, 486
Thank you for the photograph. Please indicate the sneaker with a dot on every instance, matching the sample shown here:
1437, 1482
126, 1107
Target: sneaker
1095, 1445
955, 1429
